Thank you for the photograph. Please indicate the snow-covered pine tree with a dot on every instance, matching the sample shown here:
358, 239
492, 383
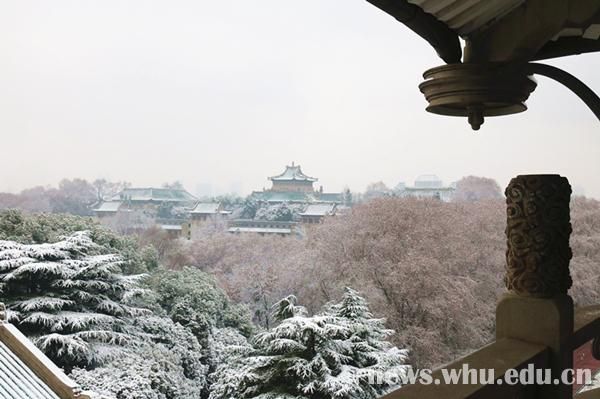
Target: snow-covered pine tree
330, 355
166, 365
228, 352
69, 297
375, 357
194, 299
40, 228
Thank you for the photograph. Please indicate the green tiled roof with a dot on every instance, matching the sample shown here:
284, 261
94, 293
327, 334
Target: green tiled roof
293, 173
289, 196
109, 206
278, 196
155, 194
331, 197
207, 208
319, 210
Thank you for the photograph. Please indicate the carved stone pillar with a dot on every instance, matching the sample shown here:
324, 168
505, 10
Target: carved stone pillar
537, 308
537, 231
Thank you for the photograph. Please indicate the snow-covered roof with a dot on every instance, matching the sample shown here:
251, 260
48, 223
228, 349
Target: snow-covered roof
331, 197
109, 206
21, 366
297, 197
171, 227
408, 189
155, 194
277, 196
293, 172
262, 230
18, 381
207, 208
319, 210
260, 222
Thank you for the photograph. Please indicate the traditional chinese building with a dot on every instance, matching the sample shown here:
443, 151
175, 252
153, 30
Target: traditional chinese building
315, 213
294, 191
427, 186
149, 199
208, 210
262, 227
139, 208
293, 186
206, 214
293, 180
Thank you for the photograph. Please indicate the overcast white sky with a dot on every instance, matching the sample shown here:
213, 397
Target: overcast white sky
225, 93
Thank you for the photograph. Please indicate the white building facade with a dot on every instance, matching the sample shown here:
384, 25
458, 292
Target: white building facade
427, 186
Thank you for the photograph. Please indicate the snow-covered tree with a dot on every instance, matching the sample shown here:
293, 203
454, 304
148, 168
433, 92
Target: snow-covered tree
228, 352
193, 299
283, 212
377, 190
70, 298
336, 354
367, 337
45, 228
249, 208
475, 188
165, 365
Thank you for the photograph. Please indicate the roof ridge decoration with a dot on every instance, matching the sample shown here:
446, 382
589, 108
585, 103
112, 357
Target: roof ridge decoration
157, 193
293, 172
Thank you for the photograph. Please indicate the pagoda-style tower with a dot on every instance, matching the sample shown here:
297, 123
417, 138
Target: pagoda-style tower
293, 180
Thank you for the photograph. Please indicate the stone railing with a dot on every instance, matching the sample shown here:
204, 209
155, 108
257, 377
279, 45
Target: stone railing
536, 323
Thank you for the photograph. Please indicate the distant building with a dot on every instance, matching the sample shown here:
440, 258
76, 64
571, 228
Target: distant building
315, 213
206, 210
294, 191
293, 186
293, 180
262, 227
108, 209
25, 372
143, 197
427, 186
175, 228
150, 199
136, 208
206, 214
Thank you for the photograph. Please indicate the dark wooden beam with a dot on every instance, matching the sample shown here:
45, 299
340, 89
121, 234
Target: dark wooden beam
567, 46
443, 39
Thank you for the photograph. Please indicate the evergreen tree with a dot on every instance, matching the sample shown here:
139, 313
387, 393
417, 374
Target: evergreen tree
194, 299
367, 339
249, 208
336, 354
70, 298
229, 350
166, 365
50, 228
